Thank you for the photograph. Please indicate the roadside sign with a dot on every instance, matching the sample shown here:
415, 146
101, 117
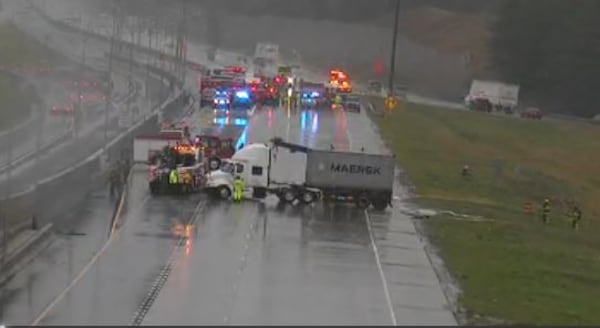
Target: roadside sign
391, 103
284, 70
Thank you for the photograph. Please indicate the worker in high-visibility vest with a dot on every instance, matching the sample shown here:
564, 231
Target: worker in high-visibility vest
338, 101
238, 189
187, 180
174, 179
546, 211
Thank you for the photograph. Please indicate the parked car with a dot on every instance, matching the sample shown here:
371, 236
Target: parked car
532, 113
62, 110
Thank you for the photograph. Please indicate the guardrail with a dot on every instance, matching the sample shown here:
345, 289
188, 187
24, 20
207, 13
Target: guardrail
51, 144
20, 130
48, 200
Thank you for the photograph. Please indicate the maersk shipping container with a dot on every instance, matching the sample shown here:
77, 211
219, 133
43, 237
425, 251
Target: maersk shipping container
344, 170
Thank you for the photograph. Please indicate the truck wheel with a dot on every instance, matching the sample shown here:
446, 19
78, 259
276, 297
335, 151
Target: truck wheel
308, 197
363, 202
224, 192
288, 195
380, 204
214, 163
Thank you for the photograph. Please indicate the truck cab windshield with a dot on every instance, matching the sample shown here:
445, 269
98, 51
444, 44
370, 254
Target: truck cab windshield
228, 167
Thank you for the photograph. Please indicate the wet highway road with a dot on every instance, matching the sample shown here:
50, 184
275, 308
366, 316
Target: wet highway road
249, 263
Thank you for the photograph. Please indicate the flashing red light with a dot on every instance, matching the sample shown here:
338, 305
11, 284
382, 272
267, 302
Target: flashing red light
278, 79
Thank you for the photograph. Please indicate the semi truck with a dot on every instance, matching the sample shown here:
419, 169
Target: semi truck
296, 173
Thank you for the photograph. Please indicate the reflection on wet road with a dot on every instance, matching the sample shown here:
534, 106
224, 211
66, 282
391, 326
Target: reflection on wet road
249, 263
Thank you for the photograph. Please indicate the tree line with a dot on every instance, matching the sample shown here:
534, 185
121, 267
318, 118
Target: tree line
551, 48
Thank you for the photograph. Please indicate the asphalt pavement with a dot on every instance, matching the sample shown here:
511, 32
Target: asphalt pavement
91, 135
248, 263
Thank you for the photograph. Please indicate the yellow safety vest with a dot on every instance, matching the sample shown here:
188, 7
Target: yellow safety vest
173, 177
238, 183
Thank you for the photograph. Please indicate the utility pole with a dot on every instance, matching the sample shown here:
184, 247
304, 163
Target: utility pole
78, 114
183, 41
130, 84
147, 77
109, 75
393, 55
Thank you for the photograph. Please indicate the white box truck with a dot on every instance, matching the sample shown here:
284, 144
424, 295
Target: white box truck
500, 95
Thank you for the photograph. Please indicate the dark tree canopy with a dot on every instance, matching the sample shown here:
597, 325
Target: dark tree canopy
551, 48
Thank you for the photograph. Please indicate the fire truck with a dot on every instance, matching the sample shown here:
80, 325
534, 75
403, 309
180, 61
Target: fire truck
340, 81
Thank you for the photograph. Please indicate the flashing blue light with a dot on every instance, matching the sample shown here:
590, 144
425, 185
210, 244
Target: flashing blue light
311, 95
242, 94
240, 121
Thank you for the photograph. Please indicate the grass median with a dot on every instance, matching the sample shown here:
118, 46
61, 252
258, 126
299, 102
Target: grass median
509, 264
19, 52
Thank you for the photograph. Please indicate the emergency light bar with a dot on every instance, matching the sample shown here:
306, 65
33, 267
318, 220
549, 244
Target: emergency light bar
242, 94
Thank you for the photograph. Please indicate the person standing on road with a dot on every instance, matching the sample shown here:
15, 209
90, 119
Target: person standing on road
114, 181
238, 189
173, 178
576, 217
546, 211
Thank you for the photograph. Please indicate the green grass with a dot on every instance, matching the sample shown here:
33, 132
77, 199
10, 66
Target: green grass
17, 50
510, 267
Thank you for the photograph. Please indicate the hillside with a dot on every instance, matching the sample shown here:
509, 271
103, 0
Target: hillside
447, 32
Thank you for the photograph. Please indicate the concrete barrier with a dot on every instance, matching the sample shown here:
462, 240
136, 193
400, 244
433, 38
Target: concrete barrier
66, 191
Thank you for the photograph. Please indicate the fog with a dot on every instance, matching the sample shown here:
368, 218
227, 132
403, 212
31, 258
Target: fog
318, 43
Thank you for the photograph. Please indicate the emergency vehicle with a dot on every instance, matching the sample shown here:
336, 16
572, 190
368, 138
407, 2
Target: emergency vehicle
312, 95
340, 81
263, 92
187, 160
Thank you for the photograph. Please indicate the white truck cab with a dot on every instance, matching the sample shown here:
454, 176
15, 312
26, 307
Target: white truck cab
251, 163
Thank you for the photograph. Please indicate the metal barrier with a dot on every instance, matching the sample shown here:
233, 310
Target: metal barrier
50, 199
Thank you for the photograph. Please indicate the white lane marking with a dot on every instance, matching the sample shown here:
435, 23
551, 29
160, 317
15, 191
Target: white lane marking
386, 290
348, 136
85, 269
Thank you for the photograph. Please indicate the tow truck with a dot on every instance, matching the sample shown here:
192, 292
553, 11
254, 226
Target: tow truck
187, 160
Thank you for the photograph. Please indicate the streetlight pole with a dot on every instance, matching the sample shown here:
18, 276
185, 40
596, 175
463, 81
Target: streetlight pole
393, 54
183, 42
110, 82
78, 115
130, 78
